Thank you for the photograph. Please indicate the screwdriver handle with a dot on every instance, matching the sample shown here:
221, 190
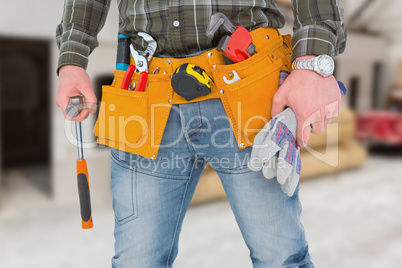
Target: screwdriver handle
84, 194
123, 52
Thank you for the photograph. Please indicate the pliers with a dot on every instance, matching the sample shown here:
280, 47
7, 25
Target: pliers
141, 63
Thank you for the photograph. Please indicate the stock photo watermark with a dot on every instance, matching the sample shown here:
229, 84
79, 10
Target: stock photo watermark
135, 131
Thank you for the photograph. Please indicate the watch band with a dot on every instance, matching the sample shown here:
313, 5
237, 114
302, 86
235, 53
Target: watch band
317, 64
306, 64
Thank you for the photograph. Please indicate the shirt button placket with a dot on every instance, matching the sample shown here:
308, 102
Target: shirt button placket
174, 23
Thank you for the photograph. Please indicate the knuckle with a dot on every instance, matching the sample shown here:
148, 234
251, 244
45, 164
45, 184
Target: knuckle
278, 97
305, 114
301, 143
317, 128
335, 115
316, 131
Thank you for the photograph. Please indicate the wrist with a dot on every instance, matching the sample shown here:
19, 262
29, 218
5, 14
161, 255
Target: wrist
68, 68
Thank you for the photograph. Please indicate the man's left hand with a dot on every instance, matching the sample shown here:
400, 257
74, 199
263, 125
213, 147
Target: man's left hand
314, 99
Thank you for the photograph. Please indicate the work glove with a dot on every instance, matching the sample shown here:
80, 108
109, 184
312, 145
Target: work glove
275, 151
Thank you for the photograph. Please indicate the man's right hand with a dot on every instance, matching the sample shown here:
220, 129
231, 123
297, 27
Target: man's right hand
74, 81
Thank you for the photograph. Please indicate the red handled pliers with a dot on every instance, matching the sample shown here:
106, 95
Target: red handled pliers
141, 63
127, 77
129, 74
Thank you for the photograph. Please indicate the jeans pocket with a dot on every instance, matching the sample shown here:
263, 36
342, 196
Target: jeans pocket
124, 191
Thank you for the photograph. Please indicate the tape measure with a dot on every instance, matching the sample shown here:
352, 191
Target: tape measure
190, 81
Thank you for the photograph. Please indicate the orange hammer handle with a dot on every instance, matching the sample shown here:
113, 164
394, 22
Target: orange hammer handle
84, 195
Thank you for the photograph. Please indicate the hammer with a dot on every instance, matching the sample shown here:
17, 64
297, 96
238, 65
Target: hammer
72, 110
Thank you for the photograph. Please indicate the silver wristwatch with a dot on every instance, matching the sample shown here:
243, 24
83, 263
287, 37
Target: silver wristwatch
323, 64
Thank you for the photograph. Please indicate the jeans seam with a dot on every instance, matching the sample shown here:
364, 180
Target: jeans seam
178, 218
190, 147
177, 224
233, 171
193, 130
161, 175
120, 162
197, 127
134, 200
185, 133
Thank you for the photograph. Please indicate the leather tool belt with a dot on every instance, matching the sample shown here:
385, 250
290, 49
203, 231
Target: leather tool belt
134, 121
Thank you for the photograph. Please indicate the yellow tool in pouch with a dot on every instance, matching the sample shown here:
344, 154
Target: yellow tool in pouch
190, 81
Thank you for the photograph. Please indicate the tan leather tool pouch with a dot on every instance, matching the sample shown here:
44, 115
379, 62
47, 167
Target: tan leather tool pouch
134, 121
248, 102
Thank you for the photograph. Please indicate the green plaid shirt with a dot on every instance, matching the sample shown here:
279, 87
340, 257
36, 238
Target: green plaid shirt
179, 26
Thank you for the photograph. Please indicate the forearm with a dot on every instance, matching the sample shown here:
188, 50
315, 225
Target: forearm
318, 28
76, 35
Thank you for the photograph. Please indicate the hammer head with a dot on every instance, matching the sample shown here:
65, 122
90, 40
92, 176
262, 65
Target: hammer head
75, 106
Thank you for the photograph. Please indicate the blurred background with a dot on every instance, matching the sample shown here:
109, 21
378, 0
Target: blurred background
351, 187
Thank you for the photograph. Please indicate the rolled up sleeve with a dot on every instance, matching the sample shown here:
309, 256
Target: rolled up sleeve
318, 28
76, 35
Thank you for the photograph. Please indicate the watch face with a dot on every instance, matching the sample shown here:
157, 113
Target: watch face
326, 65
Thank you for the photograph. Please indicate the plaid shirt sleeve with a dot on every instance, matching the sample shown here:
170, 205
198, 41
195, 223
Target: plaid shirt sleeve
76, 35
318, 28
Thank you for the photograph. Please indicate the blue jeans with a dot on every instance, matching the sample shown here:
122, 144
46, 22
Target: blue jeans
151, 196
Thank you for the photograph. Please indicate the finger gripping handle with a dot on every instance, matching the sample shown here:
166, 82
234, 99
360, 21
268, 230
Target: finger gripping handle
84, 194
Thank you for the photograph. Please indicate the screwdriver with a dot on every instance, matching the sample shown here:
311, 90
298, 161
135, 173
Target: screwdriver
72, 110
123, 52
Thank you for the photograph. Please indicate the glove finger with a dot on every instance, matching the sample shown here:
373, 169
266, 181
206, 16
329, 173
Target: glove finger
267, 155
283, 171
273, 142
288, 117
279, 139
298, 161
257, 158
286, 160
269, 169
273, 127
264, 156
265, 146
262, 135
269, 151
255, 162
291, 184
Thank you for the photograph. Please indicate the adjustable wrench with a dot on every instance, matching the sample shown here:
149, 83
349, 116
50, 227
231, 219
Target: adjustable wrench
236, 47
150, 51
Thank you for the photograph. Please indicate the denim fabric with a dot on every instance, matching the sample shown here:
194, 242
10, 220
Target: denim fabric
151, 196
